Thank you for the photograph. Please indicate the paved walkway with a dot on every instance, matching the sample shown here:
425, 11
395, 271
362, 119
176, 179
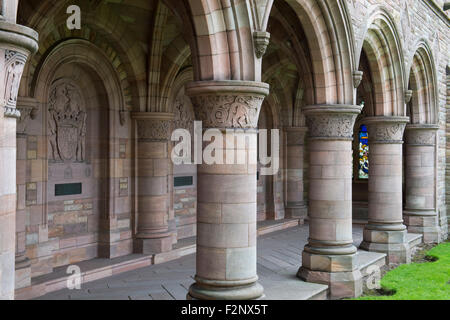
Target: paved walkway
279, 257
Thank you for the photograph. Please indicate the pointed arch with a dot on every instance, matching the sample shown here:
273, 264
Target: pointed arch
330, 37
383, 49
422, 82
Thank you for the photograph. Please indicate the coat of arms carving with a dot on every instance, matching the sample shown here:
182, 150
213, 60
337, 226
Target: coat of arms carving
67, 123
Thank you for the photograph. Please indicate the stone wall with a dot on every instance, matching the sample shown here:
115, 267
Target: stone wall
447, 154
185, 203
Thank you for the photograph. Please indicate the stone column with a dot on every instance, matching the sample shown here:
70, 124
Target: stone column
295, 204
385, 231
226, 216
329, 256
152, 171
23, 264
420, 212
16, 44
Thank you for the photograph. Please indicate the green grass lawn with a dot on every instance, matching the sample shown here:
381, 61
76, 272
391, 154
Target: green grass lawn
419, 281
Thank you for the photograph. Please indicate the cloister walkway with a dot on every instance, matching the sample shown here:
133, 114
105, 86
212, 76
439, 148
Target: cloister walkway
279, 257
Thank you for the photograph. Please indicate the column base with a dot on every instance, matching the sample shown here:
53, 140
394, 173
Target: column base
338, 271
444, 224
153, 246
341, 284
393, 243
297, 212
253, 291
425, 224
329, 262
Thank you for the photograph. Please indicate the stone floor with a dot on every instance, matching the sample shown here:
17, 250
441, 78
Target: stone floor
279, 257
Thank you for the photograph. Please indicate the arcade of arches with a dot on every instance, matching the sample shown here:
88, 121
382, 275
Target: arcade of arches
358, 90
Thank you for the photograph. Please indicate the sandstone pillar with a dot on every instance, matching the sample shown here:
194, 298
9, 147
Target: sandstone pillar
226, 216
152, 171
420, 212
16, 44
385, 231
23, 264
295, 204
329, 256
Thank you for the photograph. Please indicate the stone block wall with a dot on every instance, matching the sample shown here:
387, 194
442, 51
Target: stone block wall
185, 206
185, 202
447, 153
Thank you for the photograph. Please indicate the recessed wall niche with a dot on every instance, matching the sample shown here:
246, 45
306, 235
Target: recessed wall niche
77, 153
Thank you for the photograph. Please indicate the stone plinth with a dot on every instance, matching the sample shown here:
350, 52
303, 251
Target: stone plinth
226, 216
385, 231
329, 256
153, 162
420, 212
295, 149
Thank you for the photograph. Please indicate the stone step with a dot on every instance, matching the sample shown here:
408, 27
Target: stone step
286, 286
269, 226
414, 239
185, 247
98, 268
366, 261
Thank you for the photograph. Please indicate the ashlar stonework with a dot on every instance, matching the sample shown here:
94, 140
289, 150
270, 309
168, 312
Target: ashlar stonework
86, 118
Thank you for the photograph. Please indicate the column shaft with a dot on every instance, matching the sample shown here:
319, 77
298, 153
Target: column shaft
295, 203
420, 176
153, 133
23, 264
16, 44
329, 256
226, 221
385, 231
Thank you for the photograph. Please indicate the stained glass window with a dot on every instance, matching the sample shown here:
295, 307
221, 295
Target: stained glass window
363, 153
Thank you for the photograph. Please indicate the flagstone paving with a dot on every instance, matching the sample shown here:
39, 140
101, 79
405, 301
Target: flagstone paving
279, 257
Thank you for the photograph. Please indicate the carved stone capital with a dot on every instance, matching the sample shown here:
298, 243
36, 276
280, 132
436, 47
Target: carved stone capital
384, 129
357, 78
13, 70
18, 42
295, 136
11, 113
421, 134
123, 116
227, 104
262, 40
28, 108
334, 122
153, 126
408, 95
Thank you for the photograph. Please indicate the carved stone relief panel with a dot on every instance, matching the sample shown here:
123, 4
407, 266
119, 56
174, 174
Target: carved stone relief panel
67, 119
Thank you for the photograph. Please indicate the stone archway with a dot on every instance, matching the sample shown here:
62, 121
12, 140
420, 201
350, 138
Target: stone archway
381, 52
421, 213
